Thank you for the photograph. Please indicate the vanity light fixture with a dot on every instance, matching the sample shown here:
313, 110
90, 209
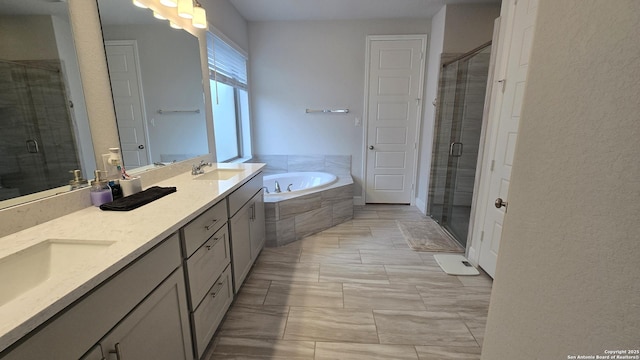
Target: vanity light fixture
199, 17
174, 25
169, 3
185, 9
139, 4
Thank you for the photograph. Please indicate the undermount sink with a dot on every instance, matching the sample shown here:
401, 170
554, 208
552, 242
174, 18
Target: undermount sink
43, 262
219, 174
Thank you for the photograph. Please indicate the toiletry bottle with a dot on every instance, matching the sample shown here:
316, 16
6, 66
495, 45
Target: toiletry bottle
100, 190
77, 182
116, 189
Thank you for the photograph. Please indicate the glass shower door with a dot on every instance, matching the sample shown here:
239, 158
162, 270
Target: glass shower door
457, 142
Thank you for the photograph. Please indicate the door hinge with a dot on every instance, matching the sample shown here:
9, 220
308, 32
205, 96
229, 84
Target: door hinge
481, 235
493, 165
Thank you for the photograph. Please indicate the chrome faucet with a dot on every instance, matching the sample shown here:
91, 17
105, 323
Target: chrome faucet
289, 187
277, 190
266, 189
197, 169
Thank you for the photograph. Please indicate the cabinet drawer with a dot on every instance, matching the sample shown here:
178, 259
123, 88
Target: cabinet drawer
201, 228
210, 312
206, 264
244, 193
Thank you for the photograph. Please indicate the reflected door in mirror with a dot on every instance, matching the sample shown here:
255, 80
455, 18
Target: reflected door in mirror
128, 101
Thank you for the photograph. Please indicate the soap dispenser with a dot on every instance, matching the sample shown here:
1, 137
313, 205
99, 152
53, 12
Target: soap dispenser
77, 182
100, 190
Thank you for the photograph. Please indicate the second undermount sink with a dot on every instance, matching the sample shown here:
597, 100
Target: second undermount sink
219, 174
43, 262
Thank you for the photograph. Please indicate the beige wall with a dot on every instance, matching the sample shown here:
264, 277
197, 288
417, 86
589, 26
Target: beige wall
37, 31
567, 279
468, 26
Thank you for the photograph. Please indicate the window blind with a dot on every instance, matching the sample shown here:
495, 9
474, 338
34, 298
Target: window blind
226, 65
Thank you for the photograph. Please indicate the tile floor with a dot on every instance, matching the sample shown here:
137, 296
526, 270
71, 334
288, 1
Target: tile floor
355, 291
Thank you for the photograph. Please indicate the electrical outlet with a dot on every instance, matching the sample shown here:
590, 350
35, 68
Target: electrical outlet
358, 122
112, 171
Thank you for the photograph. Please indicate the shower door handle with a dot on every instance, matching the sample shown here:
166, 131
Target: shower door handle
32, 146
455, 149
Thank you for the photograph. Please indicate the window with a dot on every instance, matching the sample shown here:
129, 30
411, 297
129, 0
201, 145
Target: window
230, 98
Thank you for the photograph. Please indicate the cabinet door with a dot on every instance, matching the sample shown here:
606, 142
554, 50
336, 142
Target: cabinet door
94, 354
240, 245
257, 225
158, 328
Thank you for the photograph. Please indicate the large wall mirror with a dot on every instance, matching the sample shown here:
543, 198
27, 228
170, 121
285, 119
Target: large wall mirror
156, 81
45, 129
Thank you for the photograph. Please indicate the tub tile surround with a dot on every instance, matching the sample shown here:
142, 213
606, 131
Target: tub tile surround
292, 219
132, 233
277, 164
337, 298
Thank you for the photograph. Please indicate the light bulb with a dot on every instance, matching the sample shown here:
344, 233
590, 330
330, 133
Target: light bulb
169, 3
199, 17
174, 25
139, 4
185, 9
158, 16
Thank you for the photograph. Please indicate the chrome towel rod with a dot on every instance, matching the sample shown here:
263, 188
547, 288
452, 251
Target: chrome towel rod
328, 111
160, 111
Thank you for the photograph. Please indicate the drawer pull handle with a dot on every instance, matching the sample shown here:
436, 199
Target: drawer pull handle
215, 241
117, 351
216, 291
210, 226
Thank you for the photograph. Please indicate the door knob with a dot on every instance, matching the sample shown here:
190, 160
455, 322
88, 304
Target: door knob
140, 147
500, 203
370, 147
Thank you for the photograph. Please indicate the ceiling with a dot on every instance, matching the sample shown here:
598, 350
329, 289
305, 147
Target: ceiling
295, 10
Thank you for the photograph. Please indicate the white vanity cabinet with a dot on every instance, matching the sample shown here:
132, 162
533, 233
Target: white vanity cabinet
156, 329
246, 227
207, 259
131, 308
94, 354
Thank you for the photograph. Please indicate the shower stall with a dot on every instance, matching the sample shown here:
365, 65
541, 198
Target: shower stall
37, 142
460, 105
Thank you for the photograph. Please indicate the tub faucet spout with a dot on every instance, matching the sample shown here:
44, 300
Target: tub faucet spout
277, 190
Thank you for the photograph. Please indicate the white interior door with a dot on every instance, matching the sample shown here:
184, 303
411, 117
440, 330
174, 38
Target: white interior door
395, 79
126, 87
506, 133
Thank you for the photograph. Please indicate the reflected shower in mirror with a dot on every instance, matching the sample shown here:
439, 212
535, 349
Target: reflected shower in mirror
45, 130
156, 81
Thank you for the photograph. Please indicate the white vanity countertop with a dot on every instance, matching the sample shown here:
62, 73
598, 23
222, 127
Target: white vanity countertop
133, 233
